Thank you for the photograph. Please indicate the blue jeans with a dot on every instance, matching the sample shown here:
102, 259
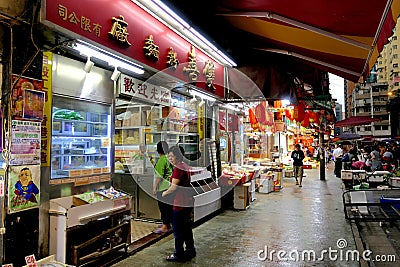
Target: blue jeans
182, 229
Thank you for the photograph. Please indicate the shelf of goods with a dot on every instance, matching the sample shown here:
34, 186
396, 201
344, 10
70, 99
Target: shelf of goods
80, 143
189, 142
86, 227
207, 198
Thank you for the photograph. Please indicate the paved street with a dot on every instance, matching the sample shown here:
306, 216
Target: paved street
298, 221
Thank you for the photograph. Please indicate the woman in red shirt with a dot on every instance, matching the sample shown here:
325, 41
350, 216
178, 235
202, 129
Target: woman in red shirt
182, 206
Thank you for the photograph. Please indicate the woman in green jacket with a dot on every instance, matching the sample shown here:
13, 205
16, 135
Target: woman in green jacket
163, 170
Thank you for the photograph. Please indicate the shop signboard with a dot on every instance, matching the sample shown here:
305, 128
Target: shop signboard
23, 187
46, 122
25, 142
141, 37
132, 87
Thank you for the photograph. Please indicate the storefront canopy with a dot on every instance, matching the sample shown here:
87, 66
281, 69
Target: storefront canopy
355, 121
342, 37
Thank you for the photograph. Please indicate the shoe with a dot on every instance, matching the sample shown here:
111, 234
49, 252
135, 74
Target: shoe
160, 231
297, 183
174, 258
300, 186
190, 254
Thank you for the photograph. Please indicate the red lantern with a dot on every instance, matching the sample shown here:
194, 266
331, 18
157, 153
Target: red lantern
306, 120
299, 112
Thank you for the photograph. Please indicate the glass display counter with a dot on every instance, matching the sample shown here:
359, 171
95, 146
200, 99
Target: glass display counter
81, 138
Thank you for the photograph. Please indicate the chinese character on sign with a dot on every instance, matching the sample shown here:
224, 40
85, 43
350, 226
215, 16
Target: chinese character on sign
63, 12
192, 67
150, 48
85, 24
142, 90
128, 85
96, 29
209, 72
164, 96
119, 30
172, 60
154, 93
73, 18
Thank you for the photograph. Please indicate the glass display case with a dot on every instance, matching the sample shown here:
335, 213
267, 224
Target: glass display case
81, 138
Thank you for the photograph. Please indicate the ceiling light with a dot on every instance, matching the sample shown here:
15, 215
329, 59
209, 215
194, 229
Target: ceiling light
88, 65
113, 60
202, 95
194, 99
115, 75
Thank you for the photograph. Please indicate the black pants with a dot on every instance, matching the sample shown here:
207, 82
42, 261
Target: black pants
182, 228
338, 167
165, 206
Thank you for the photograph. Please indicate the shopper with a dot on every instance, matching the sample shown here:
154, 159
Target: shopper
182, 207
298, 156
163, 171
337, 156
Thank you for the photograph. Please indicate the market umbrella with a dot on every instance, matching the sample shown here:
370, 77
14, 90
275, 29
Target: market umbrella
355, 121
349, 136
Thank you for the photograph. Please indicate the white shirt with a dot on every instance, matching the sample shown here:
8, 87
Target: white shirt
337, 153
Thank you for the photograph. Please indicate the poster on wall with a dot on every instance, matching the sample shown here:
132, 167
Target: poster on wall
46, 122
23, 187
33, 104
25, 142
27, 98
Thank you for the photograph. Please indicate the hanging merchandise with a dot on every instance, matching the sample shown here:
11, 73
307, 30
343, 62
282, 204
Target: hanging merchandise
253, 120
289, 113
260, 113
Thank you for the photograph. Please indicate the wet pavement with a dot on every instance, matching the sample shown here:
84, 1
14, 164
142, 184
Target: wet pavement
306, 225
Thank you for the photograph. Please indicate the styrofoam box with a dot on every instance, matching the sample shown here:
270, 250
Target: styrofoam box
346, 175
394, 181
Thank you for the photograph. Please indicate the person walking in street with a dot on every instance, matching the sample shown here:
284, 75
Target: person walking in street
182, 207
163, 171
337, 156
298, 156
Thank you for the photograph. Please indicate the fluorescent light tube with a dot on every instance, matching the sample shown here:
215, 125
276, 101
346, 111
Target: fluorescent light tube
112, 60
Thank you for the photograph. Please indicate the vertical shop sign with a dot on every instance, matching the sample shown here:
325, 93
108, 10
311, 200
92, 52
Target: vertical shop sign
25, 142
23, 187
201, 120
46, 122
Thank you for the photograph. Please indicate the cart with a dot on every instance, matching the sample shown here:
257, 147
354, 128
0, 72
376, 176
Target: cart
372, 205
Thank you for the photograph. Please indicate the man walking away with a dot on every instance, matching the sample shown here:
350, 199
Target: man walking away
298, 156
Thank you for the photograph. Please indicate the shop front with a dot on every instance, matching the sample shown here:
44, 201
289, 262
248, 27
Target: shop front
87, 131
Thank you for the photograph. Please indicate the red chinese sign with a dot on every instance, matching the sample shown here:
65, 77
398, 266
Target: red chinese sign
124, 27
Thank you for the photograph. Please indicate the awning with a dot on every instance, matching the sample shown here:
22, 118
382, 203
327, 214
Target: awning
355, 121
342, 37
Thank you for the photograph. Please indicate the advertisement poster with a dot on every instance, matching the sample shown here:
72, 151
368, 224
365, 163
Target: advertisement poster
46, 122
23, 187
25, 142
33, 104
27, 99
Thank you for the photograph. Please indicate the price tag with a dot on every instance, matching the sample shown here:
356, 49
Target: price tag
30, 260
7, 265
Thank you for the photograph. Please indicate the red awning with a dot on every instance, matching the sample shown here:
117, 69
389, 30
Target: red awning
342, 37
355, 120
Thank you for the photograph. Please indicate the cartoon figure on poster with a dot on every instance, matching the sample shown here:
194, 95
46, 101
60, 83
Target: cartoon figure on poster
23, 187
